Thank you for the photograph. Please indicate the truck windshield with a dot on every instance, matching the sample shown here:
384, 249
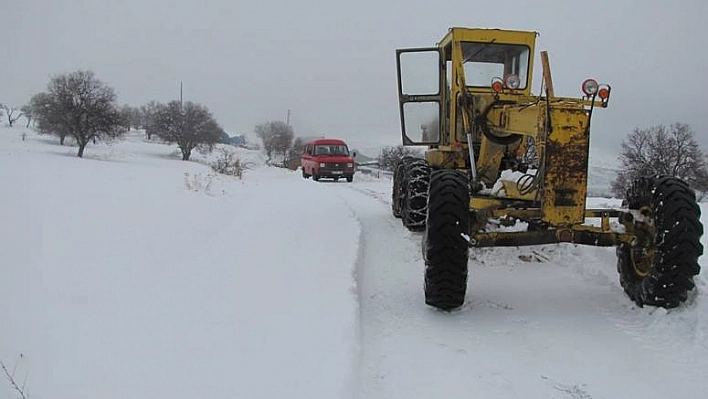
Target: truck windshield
485, 61
331, 149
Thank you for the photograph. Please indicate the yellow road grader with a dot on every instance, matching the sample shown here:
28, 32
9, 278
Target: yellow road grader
504, 167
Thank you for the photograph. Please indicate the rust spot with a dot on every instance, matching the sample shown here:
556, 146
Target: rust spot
565, 197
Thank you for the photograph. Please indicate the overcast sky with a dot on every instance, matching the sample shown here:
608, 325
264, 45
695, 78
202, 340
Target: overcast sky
332, 63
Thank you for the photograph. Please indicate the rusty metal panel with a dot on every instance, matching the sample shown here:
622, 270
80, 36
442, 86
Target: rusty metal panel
566, 166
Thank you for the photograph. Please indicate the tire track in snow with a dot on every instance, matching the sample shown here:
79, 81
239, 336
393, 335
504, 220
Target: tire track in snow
380, 255
357, 276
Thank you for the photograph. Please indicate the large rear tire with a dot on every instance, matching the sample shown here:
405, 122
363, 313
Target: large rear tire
414, 198
446, 242
659, 271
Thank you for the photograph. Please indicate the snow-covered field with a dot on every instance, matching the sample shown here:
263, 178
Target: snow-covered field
132, 274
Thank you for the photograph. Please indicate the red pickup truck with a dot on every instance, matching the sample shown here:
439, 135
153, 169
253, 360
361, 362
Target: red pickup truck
328, 158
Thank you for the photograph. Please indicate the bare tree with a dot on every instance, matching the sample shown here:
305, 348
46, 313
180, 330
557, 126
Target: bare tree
189, 125
127, 116
42, 103
293, 156
277, 137
78, 105
389, 156
659, 150
295, 151
11, 112
10, 375
131, 117
147, 117
27, 112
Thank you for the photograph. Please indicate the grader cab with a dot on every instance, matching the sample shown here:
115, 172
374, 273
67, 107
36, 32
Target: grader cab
504, 167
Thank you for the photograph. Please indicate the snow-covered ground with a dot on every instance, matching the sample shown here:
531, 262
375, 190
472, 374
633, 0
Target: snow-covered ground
132, 274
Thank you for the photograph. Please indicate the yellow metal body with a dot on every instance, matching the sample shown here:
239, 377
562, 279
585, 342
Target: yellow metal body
506, 123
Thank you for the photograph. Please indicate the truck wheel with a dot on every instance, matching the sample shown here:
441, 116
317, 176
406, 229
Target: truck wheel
659, 270
414, 199
315, 177
396, 192
446, 242
350, 179
304, 175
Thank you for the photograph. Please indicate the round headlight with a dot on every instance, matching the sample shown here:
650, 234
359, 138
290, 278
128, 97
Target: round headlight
590, 87
512, 82
497, 85
604, 92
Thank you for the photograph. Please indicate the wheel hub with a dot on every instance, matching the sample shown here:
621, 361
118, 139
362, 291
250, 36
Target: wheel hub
642, 260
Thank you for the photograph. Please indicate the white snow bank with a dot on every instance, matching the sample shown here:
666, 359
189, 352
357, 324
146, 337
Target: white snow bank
132, 274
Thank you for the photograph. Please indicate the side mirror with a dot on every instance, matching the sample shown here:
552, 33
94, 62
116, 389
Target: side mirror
353, 154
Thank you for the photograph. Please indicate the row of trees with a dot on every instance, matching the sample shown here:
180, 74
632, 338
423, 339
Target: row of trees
80, 106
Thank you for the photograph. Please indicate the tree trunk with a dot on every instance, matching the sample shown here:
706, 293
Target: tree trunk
186, 154
61, 139
81, 149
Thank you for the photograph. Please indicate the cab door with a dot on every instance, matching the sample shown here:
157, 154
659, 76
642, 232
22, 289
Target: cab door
419, 97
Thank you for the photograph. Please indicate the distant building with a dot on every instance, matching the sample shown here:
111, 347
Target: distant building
239, 140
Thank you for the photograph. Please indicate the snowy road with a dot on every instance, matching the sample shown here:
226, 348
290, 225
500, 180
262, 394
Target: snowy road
558, 326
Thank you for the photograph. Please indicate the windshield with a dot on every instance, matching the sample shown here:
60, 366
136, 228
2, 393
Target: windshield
485, 61
331, 149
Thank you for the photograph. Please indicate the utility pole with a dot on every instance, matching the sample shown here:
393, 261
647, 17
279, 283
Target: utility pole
180, 94
287, 118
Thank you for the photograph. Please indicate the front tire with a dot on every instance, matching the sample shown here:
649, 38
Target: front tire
446, 242
659, 271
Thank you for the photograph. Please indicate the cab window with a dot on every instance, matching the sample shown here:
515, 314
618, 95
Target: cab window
486, 61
